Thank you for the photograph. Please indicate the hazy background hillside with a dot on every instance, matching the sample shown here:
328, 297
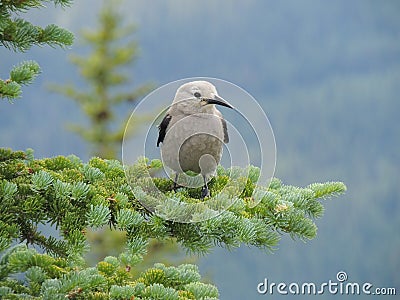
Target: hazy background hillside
327, 73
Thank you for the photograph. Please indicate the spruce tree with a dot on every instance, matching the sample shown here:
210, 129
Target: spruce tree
103, 71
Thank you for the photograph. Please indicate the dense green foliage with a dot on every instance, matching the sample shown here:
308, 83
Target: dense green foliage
73, 196
52, 278
20, 35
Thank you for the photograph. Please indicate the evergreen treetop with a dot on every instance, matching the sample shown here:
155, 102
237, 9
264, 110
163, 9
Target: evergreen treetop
107, 84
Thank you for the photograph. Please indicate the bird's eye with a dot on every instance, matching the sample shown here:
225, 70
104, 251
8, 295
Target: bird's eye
197, 95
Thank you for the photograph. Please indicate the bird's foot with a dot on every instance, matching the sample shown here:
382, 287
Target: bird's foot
175, 186
205, 192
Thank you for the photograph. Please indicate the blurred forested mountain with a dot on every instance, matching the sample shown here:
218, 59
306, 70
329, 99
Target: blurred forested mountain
327, 73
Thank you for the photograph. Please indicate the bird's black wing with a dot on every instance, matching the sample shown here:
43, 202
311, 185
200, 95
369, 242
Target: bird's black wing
226, 136
162, 129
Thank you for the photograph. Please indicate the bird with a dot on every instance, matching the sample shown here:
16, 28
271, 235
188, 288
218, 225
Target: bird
193, 131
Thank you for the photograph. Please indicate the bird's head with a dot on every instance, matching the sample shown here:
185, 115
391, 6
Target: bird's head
198, 97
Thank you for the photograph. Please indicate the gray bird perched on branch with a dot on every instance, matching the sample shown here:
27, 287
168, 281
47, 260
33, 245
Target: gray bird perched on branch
193, 131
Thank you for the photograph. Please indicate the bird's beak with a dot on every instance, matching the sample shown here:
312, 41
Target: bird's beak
219, 101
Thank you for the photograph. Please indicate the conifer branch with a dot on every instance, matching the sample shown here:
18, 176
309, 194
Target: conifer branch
74, 195
20, 35
22, 74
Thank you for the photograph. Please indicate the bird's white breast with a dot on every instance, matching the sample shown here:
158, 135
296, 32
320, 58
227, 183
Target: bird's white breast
193, 142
